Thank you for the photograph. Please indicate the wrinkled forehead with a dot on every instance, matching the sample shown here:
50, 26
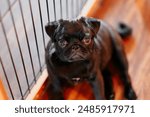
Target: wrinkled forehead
71, 28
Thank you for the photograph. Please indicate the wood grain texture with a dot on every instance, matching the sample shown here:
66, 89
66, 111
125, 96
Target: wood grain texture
136, 14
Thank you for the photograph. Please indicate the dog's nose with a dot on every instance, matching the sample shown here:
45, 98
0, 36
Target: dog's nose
75, 47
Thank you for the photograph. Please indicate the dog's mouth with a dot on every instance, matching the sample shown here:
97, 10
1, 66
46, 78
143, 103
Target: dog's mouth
77, 57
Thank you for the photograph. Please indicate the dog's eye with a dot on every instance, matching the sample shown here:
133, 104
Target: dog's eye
86, 41
62, 43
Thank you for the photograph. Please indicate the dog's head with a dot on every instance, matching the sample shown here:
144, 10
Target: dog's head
74, 40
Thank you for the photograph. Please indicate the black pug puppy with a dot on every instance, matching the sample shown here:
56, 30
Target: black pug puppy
83, 49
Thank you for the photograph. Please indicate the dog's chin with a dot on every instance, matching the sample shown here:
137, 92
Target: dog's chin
74, 59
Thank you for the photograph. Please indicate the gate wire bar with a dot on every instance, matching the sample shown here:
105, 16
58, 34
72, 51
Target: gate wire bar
7, 79
14, 2
67, 14
32, 84
77, 6
41, 23
33, 23
61, 9
48, 11
11, 58
82, 2
12, 17
27, 39
72, 14
54, 10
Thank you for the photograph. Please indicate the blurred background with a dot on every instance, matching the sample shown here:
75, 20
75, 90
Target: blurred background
23, 41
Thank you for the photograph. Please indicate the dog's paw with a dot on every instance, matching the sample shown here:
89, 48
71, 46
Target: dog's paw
56, 98
110, 96
131, 95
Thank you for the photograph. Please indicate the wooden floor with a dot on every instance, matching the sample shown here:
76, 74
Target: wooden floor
136, 14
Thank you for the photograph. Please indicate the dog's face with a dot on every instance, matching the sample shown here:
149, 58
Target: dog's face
74, 40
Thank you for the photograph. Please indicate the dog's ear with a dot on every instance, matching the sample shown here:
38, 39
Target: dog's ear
92, 23
50, 28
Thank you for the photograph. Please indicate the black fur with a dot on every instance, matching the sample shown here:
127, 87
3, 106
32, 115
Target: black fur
82, 50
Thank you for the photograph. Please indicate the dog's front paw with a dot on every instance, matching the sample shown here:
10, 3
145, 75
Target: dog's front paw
56, 97
111, 97
131, 95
